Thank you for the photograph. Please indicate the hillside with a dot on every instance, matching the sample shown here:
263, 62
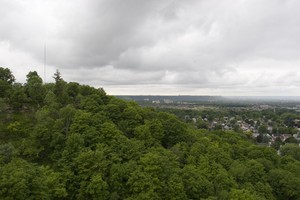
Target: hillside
69, 141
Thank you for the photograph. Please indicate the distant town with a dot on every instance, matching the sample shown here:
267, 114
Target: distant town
271, 121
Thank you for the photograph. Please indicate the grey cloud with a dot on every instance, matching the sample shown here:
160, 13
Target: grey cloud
192, 44
105, 29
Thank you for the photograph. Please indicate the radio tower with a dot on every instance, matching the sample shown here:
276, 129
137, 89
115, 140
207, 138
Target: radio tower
45, 61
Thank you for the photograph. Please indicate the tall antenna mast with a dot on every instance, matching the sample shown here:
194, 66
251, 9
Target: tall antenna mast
45, 61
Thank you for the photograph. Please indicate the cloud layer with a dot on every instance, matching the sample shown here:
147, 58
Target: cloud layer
228, 47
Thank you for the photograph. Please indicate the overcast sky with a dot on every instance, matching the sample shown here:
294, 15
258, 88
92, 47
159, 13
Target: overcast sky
174, 47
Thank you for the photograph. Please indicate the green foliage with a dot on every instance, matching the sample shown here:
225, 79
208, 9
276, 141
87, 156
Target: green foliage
73, 89
17, 97
157, 176
70, 141
60, 89
22, 180
285, 184
291, 140
243, 194
5, 88
196, 183
34, 88
7, 152
291, 150
6, 76
174, 130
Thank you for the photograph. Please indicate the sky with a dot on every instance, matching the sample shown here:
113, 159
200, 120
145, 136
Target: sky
157, 47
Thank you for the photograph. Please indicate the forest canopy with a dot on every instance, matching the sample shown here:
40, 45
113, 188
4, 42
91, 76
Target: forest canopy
64, 140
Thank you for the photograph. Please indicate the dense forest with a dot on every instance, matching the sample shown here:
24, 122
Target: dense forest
69, 141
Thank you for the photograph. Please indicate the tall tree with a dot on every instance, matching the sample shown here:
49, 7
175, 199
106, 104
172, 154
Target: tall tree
60, 88
34, 88
6, 81
17, 97
6, 75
